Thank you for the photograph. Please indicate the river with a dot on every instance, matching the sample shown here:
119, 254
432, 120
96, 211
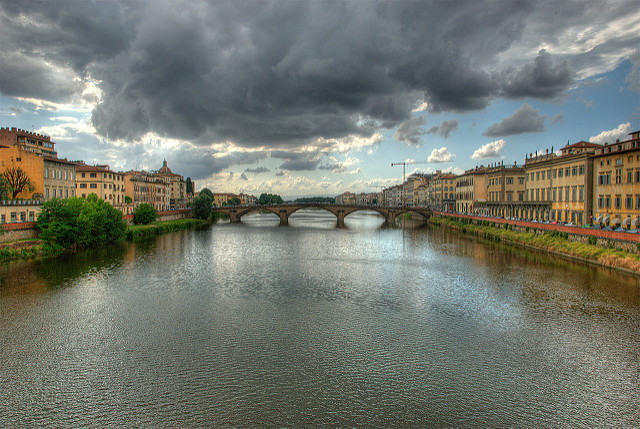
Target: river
257, 325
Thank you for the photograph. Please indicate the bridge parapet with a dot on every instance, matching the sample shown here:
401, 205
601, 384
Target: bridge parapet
340, 211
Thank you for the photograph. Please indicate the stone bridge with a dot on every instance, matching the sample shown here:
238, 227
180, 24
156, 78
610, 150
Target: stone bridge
283, 211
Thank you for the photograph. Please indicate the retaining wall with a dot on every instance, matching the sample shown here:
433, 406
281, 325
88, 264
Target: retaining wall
619, 240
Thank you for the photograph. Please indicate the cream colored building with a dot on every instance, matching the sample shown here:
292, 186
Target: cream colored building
505, 191
471, 188
102, 181
29, 141
560, 187
58, 178
616, 183
347, 198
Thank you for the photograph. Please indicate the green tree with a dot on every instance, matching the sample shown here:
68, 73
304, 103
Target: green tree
208, 193
201, 206
17, 181
144, 214
234, 201
78, 223
4, 187
127, 199
269, 199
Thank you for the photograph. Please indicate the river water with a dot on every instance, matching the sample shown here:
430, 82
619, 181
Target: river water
257, 325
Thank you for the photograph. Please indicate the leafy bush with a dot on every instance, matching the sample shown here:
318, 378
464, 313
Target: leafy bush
144, 214
592, 240
201, 206
78, 223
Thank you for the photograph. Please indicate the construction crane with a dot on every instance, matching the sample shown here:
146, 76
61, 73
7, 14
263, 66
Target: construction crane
404, 165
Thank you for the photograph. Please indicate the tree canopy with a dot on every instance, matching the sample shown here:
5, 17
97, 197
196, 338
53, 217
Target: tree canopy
74, 223
201, 206
144, 214
269, 199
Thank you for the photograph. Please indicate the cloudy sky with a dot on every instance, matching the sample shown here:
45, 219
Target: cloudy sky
316, 98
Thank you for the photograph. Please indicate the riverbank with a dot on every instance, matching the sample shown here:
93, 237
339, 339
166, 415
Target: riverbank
553, 242
35, 248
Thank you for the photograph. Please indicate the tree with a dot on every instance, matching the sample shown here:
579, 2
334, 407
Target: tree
144, 214
78, 223
234, 201
269, 199
189, 186
208, 193
17, 181
201, 206
4, 187
127, 199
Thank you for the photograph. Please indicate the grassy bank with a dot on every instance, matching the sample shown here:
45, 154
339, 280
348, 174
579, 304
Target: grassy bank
551, 241
140, 231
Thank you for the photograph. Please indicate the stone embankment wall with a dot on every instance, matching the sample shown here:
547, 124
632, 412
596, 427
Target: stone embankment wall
620, 240
28, 231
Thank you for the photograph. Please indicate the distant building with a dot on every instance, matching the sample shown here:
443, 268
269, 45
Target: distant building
346, 198
144, 187
178, 187
441, 191
471, 188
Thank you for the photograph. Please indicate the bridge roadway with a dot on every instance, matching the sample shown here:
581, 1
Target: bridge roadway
283, 211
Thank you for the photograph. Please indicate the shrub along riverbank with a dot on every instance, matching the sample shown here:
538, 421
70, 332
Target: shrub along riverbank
33, 249
552, 241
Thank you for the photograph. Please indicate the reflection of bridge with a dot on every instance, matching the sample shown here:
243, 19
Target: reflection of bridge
283, 211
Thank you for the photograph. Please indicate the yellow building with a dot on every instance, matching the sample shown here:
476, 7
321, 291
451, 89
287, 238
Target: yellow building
505, 191
12, 156
100, 180
29, 141
442, 196
559, 187
616, 183
471, 188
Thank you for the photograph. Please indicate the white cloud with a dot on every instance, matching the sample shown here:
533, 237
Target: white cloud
421, 108
490, 150
440, 155
621, 132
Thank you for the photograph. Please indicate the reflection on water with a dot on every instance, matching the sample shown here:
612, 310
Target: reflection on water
254, 324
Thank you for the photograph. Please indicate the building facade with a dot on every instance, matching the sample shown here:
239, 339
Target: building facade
442, 196
59, 178
177, 187
103, 182
143, 187
29, 141
616, 184
471, 188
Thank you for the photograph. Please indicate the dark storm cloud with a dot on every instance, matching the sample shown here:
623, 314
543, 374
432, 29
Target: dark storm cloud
445, 129
544, 78
524, 120
257, 170
411, 130
282, 74
299, 165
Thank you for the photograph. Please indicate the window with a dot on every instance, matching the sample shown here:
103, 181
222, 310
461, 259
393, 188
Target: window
574, 171
554, 173
581, 193
618, 202
66, 175
554, 194
82, 174
637, 176
559, 172
629, 176
538, 175
83, 186
600, 202
54, 193
607, 201
46, 193
92, 175
566, 193
604, 179
93, 185
560, 194
629, 202
573, 193
537, 194
619, 175
581, 170
618, 162
521, 181
46, 173
567, 171
14, 216
542, 195
637, 201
